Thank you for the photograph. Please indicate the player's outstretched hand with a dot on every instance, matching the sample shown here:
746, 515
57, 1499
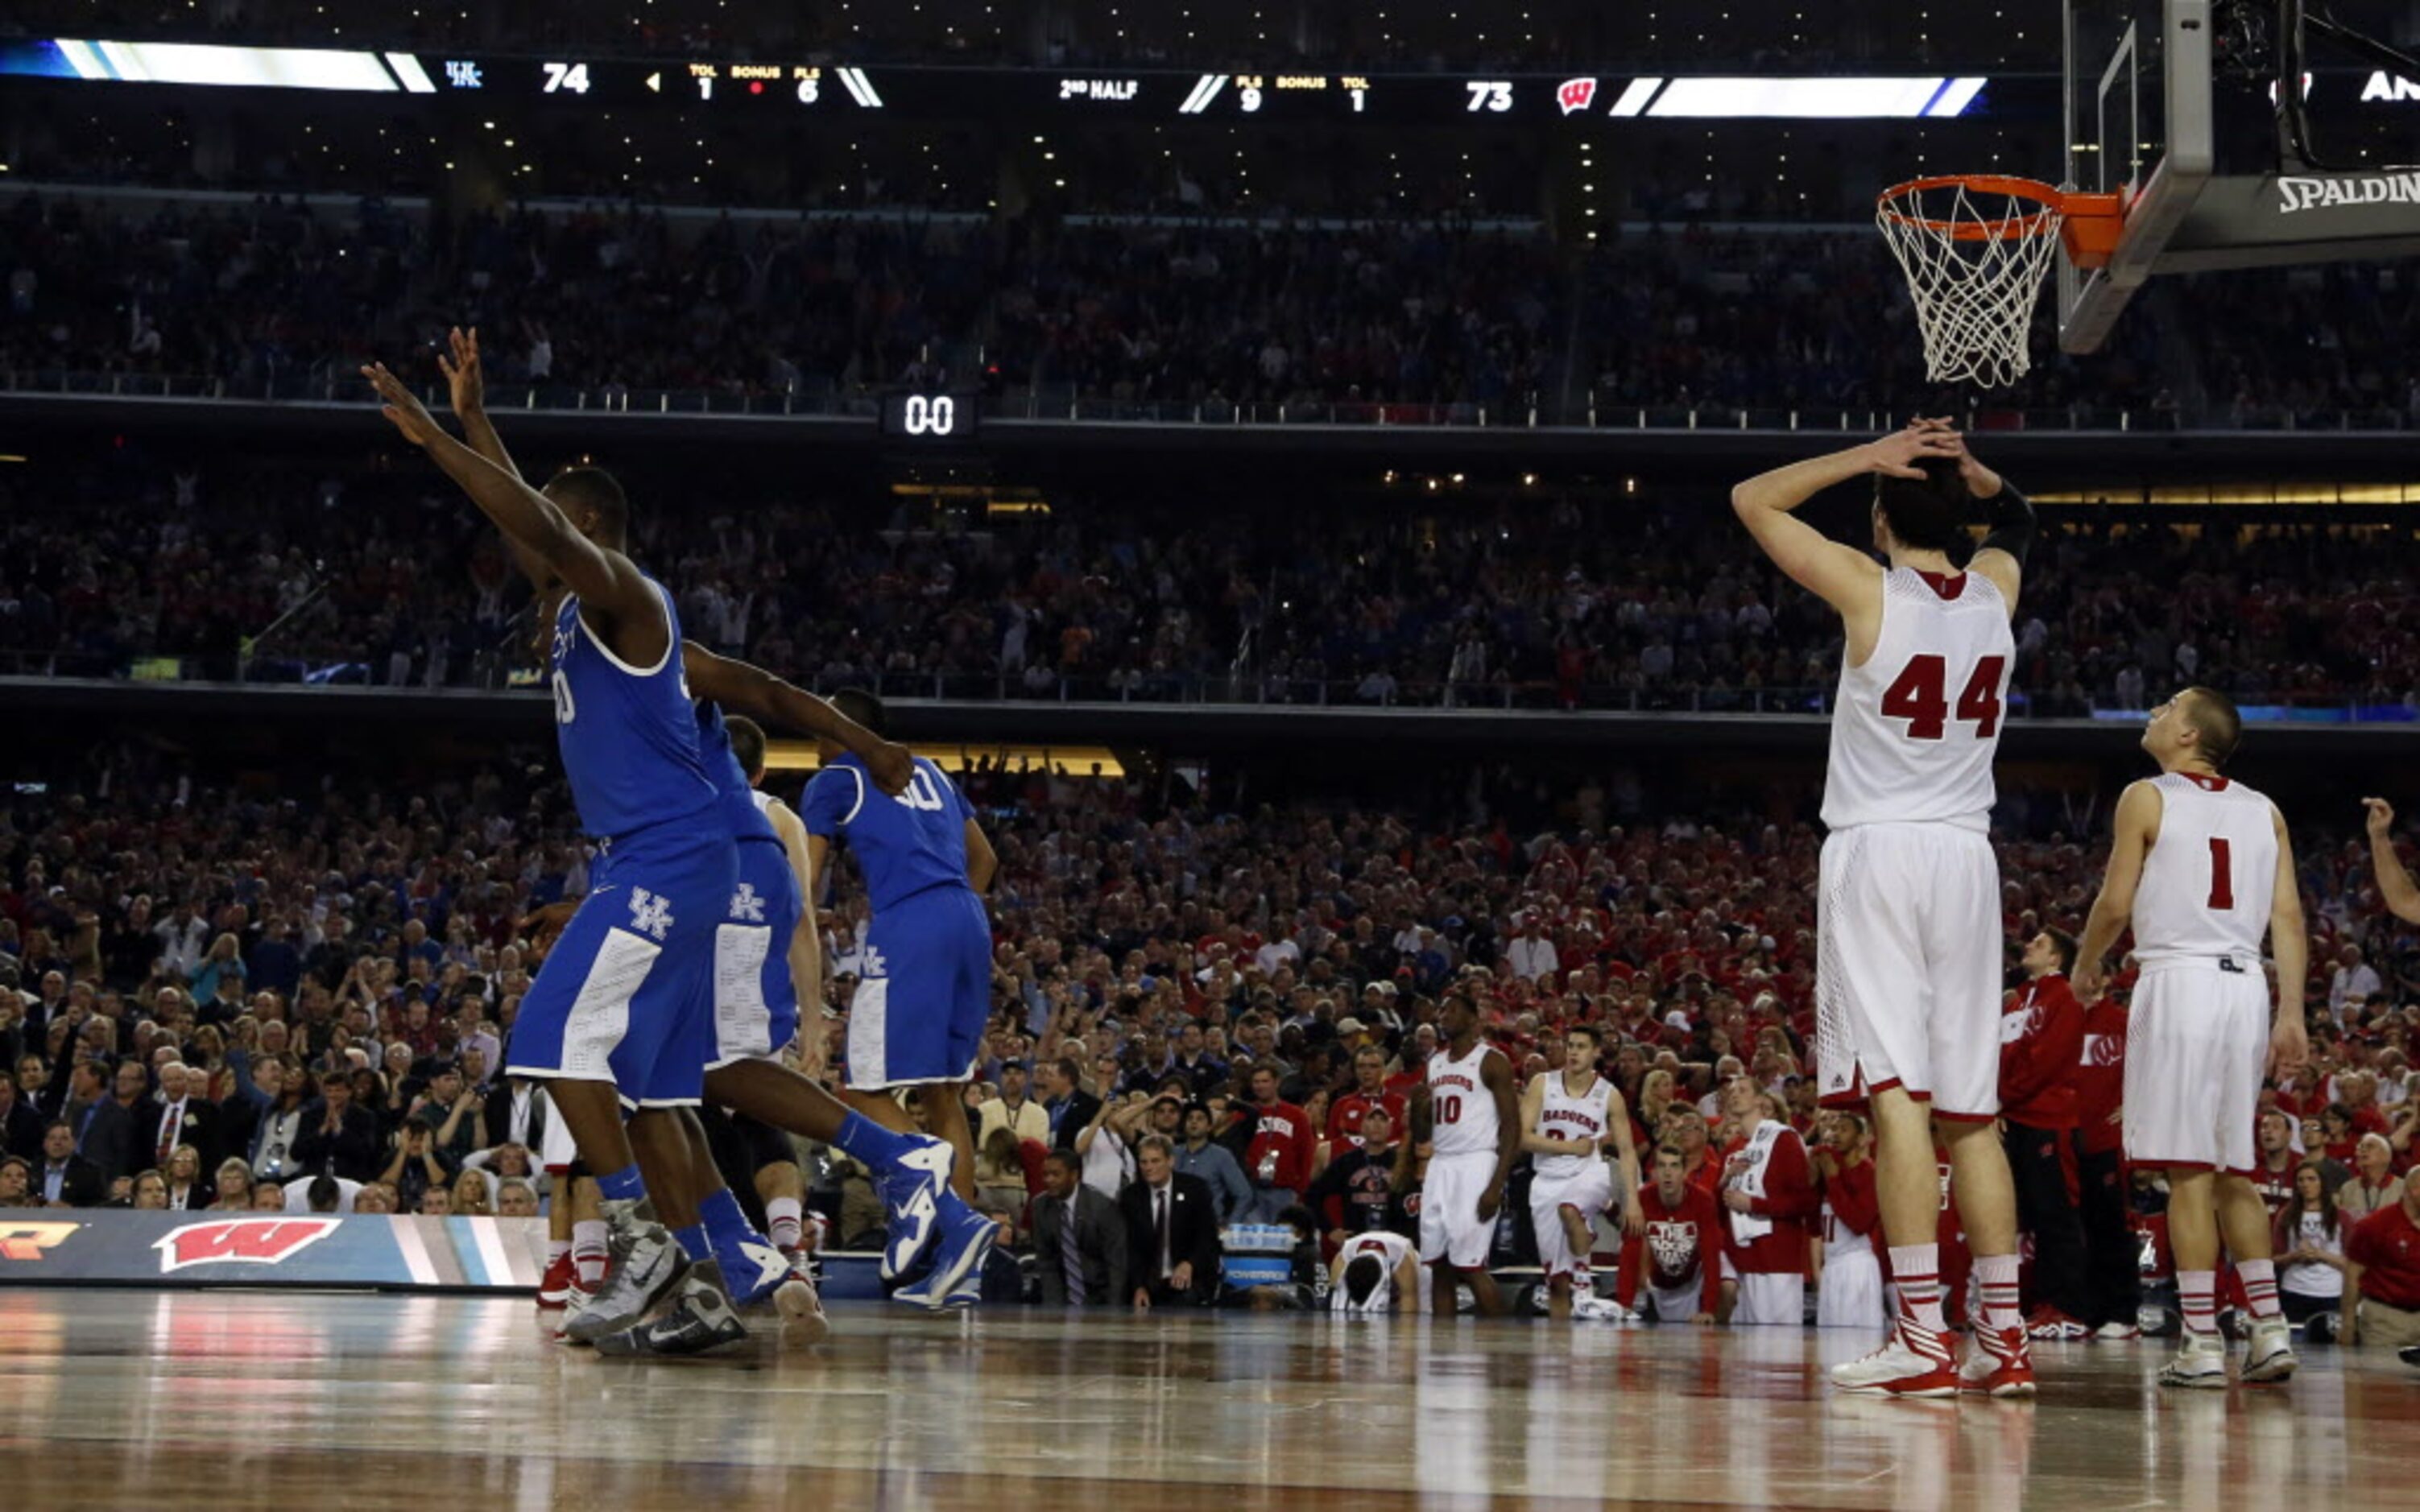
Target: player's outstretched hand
398, 404
2289, 1048
1899, 453
467, 389
2379, 815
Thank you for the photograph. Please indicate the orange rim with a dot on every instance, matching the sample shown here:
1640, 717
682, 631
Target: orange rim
2089, 224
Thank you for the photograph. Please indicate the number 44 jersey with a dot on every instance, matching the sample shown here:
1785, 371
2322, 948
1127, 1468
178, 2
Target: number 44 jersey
1915, 726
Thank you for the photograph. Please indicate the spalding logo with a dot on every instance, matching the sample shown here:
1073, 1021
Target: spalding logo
1575, 95
240, 1241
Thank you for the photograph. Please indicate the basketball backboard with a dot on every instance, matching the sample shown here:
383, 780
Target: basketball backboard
2172, 104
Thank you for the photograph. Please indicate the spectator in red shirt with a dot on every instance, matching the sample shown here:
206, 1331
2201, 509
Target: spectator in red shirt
2041, 1035
1277, 1159
2381, 1295
1769, 1190
1675, 1258
1369, 1091
2112, 1295
1849, 1294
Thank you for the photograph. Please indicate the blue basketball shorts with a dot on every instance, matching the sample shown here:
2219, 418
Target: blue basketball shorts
626, 994
756, 1002
925, 995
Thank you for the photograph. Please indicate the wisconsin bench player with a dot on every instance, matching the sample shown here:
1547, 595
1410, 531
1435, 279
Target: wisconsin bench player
1571, 1116
1908, 947
1476, 1131
2202, 867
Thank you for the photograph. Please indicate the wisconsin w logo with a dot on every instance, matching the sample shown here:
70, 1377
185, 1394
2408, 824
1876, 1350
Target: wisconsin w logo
241, 1241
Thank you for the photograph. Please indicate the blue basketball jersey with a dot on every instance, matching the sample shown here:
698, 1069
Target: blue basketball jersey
907, 844
735, 797
628, 736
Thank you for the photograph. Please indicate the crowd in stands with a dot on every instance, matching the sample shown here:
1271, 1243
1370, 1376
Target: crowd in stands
1541, 602
209, 996
1421, 317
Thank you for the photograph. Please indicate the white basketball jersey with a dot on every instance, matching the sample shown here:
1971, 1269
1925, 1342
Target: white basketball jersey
1390, 1251
1914, 729
2211, 876
1464, 1108
1568, 1116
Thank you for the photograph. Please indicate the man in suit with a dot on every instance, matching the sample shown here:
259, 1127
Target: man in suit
20, 1123
339, 1137
1070, 1109
104, 1132
1172, 1231
518, 1111
1079, 1241
62, 1178
180, 1115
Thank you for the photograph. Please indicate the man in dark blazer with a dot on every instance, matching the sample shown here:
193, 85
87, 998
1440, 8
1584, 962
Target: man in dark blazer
1172, 1231
1070, 1109
104, 1130
1079, 1241
338, 1136
20, 1123
62, 1178
179, 1114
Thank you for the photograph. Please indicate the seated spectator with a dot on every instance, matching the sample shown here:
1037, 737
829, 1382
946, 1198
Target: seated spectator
2309, 1244
415, 1166
471, 1196
514, 1198
17, 1188
232, 1187
268, 1196
150, 1193
186, 1189
338, 1135
66, 1179
2381, 1293
2374, 1186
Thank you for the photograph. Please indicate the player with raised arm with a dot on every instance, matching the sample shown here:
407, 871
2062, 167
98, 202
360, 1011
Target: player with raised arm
2202, 867
1475, 1117
917, 1020
757, 990
624, 994
1908, 947
1571, 1114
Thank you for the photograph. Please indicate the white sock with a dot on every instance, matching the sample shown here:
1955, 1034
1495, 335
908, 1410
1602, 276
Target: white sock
556, 1249
782, 1223
588, 1249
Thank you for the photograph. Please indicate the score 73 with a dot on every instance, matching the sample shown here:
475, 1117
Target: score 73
1490, 94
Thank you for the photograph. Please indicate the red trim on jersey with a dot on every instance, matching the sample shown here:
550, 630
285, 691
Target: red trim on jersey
1948, 585
1964, 1118
1862, 1093
2204, 781
2171, 1164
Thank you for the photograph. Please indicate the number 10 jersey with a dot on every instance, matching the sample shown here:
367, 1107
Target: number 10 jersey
1915, 727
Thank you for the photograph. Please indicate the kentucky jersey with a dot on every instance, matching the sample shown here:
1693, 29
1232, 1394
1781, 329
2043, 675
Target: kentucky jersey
629, 735
905, 844
736, 798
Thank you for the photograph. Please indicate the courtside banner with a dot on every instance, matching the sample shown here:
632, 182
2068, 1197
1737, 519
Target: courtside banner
67, 1246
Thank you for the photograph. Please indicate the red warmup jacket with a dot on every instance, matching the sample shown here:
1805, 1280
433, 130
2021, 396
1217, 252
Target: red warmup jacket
1680, 1243
1791, 1204
2101, 1077
1286, 1129
1856, 1203
2041, 1040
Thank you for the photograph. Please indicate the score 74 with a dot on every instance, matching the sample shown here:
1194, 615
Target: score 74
1490, 94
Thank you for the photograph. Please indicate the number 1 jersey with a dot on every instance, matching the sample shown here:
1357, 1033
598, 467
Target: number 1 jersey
1914, 729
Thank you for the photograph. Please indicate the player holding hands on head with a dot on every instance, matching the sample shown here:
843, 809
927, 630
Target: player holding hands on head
1908, 922
2202, 867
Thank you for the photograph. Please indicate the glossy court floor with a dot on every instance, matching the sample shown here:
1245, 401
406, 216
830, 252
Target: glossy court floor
297, 1401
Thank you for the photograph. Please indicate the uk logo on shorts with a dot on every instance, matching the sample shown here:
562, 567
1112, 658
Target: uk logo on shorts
746, 907
241, 1241
650, 915
874, 964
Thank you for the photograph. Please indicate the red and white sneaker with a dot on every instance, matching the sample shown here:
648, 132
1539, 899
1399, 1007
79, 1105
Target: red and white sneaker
2118, 1332
2000, 1364
554, 1291
2048, 1322
1912, 1361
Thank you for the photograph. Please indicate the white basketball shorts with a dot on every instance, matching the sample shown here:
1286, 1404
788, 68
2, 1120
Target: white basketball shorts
2196, 1046
1908, 967
1590, 1191
1450, 1228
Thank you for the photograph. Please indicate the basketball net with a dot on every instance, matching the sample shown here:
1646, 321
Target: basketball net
1975, 261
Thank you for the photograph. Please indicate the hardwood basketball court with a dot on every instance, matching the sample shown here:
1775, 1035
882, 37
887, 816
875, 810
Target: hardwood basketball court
240, 1400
